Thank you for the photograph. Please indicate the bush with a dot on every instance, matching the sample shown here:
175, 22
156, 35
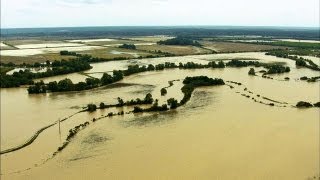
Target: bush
102, 105
252, 72
128, 46
137, 109
106, 79
120, 102
91, 107
302, 104
304, 78
163, 91
148, 99
300, 62
173, 103
277, 69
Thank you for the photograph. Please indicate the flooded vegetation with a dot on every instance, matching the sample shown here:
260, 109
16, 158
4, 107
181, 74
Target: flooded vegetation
113, 129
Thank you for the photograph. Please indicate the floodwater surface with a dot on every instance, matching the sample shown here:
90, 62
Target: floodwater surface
218, 134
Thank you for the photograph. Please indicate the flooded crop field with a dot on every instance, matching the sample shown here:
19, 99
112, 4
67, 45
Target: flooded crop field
38, 51
215, 133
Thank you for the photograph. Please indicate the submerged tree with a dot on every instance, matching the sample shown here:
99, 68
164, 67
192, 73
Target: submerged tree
148, 99
106, 79
91, 107
252, 72
163, 91
102, 105
120, 102
173, 103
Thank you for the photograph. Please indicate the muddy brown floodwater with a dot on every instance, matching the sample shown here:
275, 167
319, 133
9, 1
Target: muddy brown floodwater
218, 134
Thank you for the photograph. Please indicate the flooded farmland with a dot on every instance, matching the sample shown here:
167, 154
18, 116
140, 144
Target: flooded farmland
215, 133
44, 50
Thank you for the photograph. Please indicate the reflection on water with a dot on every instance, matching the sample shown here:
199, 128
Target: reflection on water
153, 119
218, 134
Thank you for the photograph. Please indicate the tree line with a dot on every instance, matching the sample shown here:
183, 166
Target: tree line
25, 77
90, 83
300, 61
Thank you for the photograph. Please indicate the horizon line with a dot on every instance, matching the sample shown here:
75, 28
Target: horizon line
251, 26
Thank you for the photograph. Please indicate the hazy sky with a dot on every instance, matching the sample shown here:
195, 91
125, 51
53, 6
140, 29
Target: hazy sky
53, 13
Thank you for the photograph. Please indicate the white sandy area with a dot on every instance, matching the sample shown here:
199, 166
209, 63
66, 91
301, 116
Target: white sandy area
47, 45
91, 40
297, 40
30, 52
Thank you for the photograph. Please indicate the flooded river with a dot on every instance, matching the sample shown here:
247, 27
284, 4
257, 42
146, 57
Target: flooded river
218, 134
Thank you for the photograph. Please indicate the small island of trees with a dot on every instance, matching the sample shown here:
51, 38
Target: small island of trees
128, 46
252, 72
163, 91
181, 41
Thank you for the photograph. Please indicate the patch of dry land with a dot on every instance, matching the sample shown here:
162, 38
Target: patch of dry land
114, 52
34, 58
235, 47
47, 45
38, 50
4, 46
176, 50
15, 42
102, 42
150, 38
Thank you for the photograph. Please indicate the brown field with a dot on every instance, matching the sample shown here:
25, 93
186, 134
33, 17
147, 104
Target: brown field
34, 58
235, 47
118, 41
107, 53
142, 50
177, 50
30, 41
6, 48
150, 38
99, 53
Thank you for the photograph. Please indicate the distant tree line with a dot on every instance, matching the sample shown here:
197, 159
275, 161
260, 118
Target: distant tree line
191, 31
300, 45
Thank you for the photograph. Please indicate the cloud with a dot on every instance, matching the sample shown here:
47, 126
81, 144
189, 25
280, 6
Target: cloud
160, 2
50, 13
79, 3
